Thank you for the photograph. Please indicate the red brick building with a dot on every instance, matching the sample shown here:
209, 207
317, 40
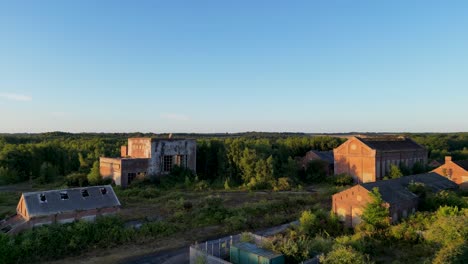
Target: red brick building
61, 206
149, 156
350, 203
369, 159
456, 171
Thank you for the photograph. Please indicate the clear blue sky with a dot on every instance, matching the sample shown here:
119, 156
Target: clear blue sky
229, 66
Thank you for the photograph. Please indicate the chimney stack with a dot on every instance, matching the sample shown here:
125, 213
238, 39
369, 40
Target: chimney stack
448, 159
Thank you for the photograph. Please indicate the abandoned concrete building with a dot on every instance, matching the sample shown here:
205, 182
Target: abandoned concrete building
61, 206
369, 159
325, 156
455, 170
149, 156
349, 204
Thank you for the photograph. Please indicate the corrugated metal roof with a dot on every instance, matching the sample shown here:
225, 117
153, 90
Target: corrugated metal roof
69, 200
396, 190
252, 248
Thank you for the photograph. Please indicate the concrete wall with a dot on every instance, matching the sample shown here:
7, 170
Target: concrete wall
111, 167
138, 166
172, 147
139, 147
144, 156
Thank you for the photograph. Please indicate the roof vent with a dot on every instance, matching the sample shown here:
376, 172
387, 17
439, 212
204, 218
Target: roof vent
103, 191
64, 195
42, 198
84, 193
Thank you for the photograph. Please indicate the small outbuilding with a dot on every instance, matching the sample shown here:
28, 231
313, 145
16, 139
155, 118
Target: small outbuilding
61, 206
249, 253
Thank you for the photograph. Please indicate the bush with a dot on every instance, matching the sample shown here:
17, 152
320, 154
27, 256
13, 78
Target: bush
342, 179
455, 253
283, 184
235, 222
76, 180
344, 255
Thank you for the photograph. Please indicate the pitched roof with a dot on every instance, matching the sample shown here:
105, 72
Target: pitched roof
390, 143
462, 163
97, 197
396, 190
324, 155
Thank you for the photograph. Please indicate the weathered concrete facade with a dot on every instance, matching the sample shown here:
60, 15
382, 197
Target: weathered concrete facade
456, 171
147, 156
369, 159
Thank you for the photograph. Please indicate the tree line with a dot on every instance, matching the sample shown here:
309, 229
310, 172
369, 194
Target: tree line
257, 160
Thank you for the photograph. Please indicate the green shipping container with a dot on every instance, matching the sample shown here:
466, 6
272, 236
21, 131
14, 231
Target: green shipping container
248, 253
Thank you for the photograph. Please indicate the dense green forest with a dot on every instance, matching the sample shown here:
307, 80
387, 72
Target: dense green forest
258, 160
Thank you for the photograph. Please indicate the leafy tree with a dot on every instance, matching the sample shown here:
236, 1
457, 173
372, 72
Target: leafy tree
316, 171
94, 176
8, 176
48, 172
375, 214
394, 172
418, 167
308, 222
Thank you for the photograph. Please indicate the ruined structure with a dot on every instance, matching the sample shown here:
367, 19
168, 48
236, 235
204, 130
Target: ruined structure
61, 206
456, 171
349, 204
149, 156
369, 159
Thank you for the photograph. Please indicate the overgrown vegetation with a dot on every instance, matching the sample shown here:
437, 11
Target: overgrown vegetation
435, 236
58, 241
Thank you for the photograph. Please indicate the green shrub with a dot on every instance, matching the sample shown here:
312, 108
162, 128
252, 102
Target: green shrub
76, 180
342, 179
235, 223
344, 255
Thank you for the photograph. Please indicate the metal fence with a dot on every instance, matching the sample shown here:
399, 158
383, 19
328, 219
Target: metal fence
217, 251
218, 248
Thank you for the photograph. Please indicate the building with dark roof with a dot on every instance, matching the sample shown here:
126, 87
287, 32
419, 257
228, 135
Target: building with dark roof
325, 156
369, 159
61, 206
350, 203
455, 170
149, 156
